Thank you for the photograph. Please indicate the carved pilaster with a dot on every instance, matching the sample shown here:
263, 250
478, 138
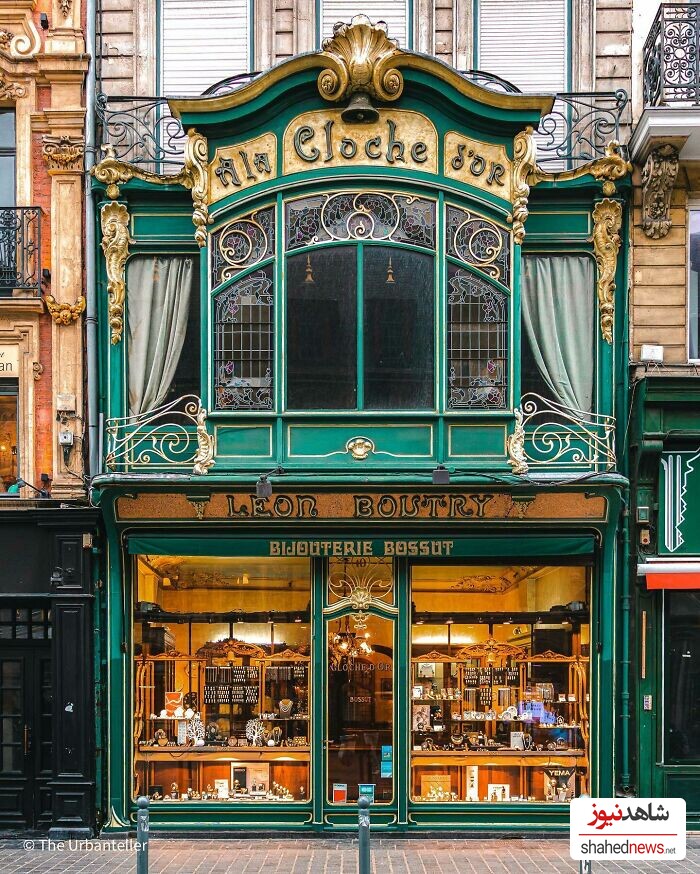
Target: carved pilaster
524, 163
658, 176
114, 218
63, 153
607, 221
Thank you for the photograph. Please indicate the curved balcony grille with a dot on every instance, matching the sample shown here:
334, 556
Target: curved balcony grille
672, 56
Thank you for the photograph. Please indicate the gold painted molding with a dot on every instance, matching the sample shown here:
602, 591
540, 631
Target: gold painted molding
63, 153
359, 57
524, 165
515, 445
204, 457
607, 221
608, 170
64, 313
114, 218
113, 172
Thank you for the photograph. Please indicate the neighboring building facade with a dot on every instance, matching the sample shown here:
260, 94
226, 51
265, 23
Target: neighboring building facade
363, 373
664, 434
47, 775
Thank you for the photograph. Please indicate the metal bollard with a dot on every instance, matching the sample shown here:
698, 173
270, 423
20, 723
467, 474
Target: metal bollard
363, 828
142, 829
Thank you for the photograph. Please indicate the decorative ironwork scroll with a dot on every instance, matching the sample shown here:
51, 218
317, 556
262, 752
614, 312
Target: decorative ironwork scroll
170, 436
141, 130
114, 218
241, 244
20, 247
365, 215
607, 220
658, 177
671, 58
243, 357
558, 436
359, 57
478, 242
363, 583
477, 353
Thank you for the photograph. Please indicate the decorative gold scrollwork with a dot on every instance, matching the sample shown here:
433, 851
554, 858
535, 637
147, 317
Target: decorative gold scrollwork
360, 448
607, 221
114, 218
608, 170
524, 164
64, 313
515, 445
204, 457
359, 57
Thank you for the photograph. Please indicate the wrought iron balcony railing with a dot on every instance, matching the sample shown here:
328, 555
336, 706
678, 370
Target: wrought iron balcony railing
672, 56
20, 248
142, 131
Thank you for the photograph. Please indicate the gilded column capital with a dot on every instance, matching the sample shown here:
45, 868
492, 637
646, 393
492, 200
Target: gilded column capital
658, 177
11, 90
607, 221
63, 153
524, 164
114, 218
64, 313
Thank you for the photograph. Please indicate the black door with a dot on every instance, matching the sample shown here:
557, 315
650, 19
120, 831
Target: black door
25, 719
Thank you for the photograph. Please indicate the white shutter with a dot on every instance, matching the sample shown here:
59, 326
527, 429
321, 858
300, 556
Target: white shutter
202, 42
394, 12
525, 42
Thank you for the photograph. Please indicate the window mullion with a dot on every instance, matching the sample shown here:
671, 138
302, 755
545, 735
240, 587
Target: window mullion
360, 331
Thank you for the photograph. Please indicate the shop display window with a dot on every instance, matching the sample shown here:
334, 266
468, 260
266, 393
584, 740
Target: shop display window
221, 679
499, 683
682, 677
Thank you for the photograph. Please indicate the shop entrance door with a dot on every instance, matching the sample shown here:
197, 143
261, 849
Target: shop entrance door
359, 718
25, 725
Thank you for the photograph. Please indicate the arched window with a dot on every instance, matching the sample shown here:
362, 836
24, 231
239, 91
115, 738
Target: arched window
354, 301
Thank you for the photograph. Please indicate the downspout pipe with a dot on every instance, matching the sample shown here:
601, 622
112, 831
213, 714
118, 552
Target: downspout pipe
90, 271
625, 657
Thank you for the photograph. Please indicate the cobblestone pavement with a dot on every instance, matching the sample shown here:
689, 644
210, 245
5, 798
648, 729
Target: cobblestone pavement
321, 856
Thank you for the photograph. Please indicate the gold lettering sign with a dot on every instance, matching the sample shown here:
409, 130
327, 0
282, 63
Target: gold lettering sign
9, 360
403, 507
400, 138
242, 165
484, 165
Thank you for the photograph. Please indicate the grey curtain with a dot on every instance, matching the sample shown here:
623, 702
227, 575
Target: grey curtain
558, 316
157, 306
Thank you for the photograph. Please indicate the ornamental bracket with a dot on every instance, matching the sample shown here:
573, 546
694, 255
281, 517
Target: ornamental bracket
524, 167
608, 170
114, 218
658, 177
607, 221
515, 446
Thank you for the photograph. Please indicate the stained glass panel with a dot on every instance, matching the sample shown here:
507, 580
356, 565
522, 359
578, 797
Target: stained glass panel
478, 242
241, 244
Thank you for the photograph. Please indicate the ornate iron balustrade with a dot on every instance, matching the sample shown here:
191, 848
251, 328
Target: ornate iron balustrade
171, 436
142, 131
20, 247
672, 56
558, 437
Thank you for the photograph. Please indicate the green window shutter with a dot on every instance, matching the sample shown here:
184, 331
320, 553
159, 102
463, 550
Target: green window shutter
525, 42
202, 43
393, 12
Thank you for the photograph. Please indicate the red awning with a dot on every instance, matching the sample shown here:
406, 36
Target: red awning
673, 581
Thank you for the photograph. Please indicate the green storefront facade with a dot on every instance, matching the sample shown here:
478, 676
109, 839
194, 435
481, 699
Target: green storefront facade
365, 519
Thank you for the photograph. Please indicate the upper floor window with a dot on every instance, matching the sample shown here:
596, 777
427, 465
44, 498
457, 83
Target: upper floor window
526, 43
362, 306
203, 43
8, 157
396, 14
694, 285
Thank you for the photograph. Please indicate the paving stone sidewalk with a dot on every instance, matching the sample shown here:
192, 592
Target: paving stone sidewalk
322, 856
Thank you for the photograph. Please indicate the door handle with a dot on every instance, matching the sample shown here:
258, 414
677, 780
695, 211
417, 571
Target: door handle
27, 740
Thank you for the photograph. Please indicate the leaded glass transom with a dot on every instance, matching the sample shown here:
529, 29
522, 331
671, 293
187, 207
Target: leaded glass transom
478, 242
477, 337
366, 215
241, 244
243, 325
